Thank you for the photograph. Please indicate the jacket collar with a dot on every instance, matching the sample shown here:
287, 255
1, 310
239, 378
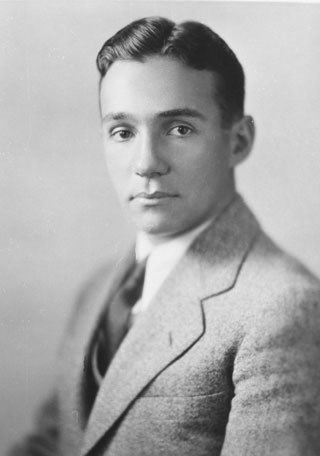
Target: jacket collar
174, 320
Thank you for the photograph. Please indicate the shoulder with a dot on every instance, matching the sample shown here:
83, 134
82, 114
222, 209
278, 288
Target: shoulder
278, 265
270, 272
280, 297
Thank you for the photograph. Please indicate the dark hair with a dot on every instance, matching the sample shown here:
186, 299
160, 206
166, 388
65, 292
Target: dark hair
192, 43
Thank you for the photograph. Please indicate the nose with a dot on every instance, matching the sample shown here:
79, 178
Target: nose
149, 160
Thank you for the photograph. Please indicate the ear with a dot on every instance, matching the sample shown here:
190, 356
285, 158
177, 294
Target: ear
242, 137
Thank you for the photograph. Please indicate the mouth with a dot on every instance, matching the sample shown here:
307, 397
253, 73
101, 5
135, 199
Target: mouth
153, 196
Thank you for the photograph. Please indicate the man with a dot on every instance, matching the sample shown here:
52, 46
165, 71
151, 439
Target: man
220, 354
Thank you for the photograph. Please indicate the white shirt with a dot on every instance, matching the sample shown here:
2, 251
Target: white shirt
162, 259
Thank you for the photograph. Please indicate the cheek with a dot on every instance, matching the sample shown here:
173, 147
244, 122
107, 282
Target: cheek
203, 175
120, 175
117, 164
197, 167
116, 177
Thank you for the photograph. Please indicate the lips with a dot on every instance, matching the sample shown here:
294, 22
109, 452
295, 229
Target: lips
155, 195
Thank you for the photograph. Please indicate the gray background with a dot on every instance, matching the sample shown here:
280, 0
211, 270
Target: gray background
59, 218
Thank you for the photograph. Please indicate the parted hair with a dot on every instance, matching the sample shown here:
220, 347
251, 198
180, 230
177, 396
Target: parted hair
192, 43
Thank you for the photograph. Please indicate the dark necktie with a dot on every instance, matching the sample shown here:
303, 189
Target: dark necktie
116, 322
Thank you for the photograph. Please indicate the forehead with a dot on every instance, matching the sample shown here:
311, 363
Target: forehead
156, 84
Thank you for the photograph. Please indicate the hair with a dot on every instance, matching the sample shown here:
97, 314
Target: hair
193, 44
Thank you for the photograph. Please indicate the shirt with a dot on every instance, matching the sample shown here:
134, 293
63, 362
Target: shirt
161, 261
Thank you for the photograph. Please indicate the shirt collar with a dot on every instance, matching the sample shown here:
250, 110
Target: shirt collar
161, 261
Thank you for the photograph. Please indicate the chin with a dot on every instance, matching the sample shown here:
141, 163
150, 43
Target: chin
161, 228
155, 226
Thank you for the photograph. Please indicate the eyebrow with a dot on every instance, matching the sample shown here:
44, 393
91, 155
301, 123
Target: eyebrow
178, 112
116, 116
182, 112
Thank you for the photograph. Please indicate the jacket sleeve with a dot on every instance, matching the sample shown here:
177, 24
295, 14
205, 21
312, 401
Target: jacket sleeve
276, 407
44, 442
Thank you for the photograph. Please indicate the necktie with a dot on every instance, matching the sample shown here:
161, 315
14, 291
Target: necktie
116, 322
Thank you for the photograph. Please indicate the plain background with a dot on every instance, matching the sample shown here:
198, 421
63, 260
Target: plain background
59, 217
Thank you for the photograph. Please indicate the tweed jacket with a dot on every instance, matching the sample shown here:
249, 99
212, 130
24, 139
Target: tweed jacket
225, 361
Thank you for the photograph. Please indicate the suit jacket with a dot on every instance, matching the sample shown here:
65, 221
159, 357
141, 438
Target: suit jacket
225, 361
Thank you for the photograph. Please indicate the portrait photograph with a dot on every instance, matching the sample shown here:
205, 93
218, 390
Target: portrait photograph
160, 228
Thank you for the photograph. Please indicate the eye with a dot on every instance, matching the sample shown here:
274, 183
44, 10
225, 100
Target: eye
121, 134
180, 131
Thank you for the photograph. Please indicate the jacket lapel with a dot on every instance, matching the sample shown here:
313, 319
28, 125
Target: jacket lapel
174, 320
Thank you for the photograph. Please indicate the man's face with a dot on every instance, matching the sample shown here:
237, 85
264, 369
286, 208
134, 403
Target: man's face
166, 152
